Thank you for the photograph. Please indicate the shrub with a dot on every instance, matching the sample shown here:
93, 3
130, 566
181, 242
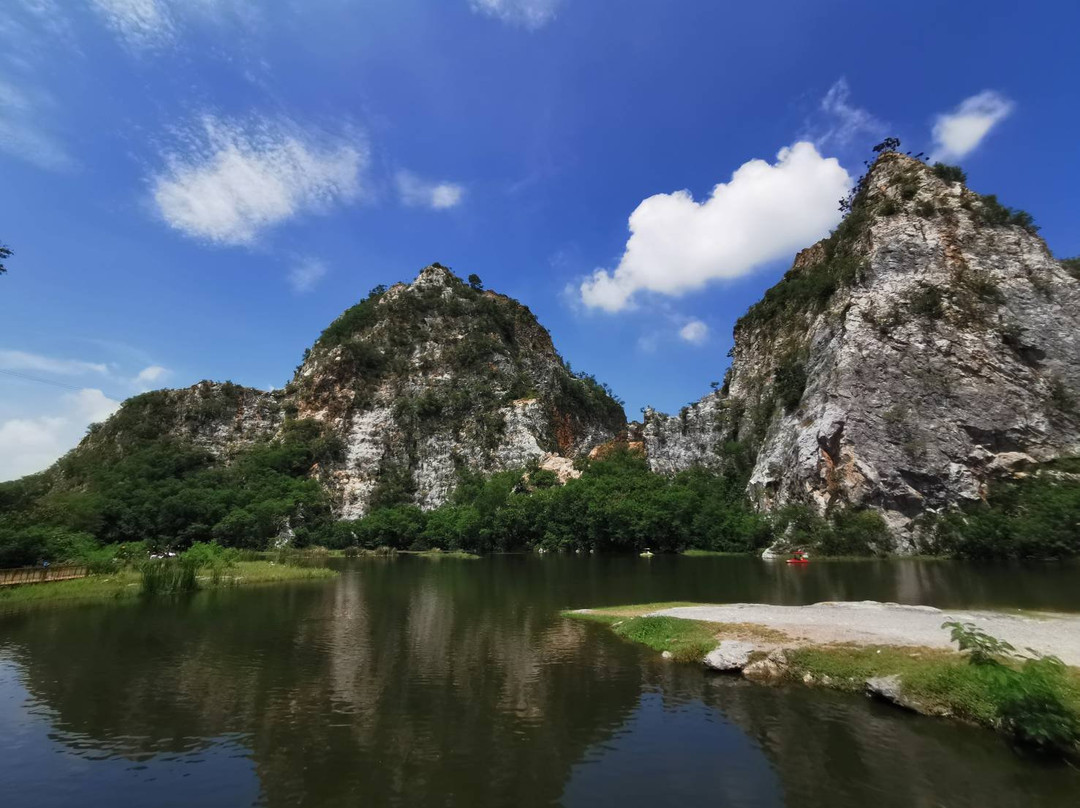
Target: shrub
789, 382
1072, 266
1030, 695
927, 302
949, 173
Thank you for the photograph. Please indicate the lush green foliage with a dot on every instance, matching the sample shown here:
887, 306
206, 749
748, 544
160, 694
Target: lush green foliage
1034, 517
617, 504
993, 213
1032, 696
170, 495
949, 173
847, 533
1072, 266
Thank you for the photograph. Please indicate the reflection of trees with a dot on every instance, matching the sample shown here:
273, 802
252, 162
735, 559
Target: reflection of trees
399, 685
414, 682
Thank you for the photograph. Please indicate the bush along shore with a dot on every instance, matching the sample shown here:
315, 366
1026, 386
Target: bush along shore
1033, 698
127, 571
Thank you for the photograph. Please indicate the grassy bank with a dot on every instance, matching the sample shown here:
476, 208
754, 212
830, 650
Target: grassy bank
129, 583
1033, 700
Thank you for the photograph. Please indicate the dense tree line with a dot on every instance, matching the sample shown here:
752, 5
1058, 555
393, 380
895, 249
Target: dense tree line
164, 494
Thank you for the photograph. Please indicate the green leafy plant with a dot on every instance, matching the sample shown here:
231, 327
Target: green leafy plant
981, 648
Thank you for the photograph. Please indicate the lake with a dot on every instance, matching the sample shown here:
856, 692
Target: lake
447, 682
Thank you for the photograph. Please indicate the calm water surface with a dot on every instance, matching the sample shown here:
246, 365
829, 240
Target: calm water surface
415, 682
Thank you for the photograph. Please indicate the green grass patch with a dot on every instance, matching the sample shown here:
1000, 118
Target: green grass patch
687, 640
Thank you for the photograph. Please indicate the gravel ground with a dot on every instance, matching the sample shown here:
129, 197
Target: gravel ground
873, 623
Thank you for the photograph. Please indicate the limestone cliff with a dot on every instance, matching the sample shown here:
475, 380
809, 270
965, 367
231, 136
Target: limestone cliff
426, 380
929, 345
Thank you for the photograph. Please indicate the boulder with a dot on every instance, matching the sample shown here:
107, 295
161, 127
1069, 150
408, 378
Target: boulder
730, 655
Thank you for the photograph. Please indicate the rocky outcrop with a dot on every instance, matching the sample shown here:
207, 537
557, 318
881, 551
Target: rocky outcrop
931, 344
435, 379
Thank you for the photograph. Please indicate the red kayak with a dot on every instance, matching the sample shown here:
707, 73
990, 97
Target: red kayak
799, 558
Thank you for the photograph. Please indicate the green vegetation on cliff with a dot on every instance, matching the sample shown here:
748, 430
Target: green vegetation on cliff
616, 505
168, 493
1035, 516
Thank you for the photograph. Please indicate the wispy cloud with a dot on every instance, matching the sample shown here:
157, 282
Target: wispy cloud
31, 362
958, 133
230, 180
765, 212
148, 25
24, 131
526, 13
306, 273
139, 23
843, 121
417, 192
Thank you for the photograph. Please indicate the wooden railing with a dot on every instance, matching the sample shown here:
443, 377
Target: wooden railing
37, 575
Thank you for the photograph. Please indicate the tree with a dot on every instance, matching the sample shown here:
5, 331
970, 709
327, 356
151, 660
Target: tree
475, 282
889, 144
5, 253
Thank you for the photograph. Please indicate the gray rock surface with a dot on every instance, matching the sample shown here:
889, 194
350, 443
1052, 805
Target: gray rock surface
730, 655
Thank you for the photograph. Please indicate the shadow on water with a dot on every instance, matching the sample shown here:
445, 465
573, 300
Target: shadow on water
407, 682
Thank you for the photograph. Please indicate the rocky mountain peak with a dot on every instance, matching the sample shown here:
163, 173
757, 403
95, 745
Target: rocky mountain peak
930, 344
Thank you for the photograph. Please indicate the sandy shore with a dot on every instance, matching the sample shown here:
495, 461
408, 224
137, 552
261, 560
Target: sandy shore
872, 623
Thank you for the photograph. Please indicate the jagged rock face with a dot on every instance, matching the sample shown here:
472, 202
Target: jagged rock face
428, 380
901, 364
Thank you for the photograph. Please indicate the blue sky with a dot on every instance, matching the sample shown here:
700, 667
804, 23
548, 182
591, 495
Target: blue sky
195, 188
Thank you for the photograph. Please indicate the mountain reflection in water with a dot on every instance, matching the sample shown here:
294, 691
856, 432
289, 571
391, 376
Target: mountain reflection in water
408, 682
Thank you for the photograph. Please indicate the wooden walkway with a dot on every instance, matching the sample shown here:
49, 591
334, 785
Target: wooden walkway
38, 575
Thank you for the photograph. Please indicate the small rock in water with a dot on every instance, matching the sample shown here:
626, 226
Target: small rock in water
667, 655
730, 655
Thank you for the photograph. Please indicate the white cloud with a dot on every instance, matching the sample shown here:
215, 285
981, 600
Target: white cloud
230, 181
28, 445
21, 360
845, 120
695, 332
527, 13
139, 23
149, 376
764, 213
306, 274
958, 133
417, 192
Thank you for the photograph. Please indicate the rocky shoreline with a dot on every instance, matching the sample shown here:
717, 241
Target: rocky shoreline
894, 653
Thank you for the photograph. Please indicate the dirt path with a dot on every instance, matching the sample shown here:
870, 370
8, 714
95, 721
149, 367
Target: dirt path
873, 623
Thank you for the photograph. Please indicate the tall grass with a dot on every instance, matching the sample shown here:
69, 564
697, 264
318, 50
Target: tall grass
168, 576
